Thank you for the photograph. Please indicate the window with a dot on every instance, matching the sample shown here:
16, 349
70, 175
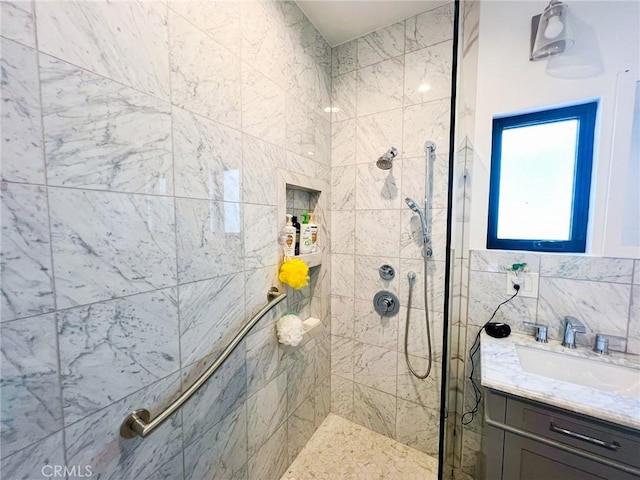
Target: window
541, 179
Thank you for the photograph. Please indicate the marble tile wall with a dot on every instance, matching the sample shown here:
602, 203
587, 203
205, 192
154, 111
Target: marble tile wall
141, 143
378, 104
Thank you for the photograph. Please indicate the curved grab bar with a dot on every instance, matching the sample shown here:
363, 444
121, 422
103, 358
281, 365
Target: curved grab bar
138, 422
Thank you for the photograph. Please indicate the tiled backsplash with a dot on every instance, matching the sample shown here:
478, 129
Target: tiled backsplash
603, 293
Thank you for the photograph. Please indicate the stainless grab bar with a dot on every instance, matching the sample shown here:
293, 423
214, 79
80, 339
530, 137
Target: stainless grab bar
138, 422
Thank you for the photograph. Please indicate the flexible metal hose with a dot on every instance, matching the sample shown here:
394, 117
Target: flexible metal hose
426, 317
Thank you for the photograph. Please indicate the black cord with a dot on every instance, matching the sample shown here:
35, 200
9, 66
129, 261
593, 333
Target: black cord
472, 351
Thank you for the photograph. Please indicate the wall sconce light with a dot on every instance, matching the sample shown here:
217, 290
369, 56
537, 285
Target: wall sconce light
550, 31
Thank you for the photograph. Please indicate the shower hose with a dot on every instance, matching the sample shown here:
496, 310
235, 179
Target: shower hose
426, 317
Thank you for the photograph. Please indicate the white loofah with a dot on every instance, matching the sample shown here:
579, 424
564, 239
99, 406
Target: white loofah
290, 330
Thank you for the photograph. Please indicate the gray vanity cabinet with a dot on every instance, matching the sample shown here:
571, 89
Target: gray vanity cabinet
525, 440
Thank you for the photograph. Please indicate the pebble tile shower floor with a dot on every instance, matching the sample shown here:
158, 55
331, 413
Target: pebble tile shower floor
341, 449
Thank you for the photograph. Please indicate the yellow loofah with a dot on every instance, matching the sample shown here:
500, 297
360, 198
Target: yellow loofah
294, 272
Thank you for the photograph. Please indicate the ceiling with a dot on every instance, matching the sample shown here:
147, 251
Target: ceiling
340, 20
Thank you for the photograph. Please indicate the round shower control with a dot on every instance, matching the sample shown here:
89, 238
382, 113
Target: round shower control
386, 304
387, 272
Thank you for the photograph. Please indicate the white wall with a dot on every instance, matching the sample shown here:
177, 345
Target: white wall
508, 82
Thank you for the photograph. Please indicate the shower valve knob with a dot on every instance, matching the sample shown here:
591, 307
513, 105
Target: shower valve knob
386, 304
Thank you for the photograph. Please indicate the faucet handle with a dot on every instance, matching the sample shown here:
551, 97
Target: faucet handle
540, 332
601, 344
576, 324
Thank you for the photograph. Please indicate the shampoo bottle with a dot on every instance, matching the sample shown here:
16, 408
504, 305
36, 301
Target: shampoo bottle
314, 232
306, 242
297, 225
290, 238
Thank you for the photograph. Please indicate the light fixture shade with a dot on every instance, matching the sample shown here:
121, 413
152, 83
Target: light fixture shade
551, 32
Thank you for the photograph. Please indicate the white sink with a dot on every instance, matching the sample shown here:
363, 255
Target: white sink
596, 374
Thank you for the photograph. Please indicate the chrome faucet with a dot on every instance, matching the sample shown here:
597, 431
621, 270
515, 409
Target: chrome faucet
540, 331
571, 327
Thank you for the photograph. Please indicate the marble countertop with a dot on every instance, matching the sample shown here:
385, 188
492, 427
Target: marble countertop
501, 370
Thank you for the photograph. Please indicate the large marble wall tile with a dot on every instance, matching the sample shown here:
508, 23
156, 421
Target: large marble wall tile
375, 410
204, 75
323, 142
301, 375
137, 336
17, 22
344, 58
266, 412
343, 229
106, 245
322, 356
435, 287
102, 135
264, 43
342, 351
498, 260
411, 239
343, 187
602, 307
304, 165
207, 158
260, 161
343, 143
427, 121
324, 95
260, 236
381, 45
343, 96
263, 107
211, 313
272, 460
342, 396
377, 233
342, 316
222, 451
225, 392
371, 328
418, 427
636, 272
22, 153
123, 41
429, 28
25, 268
380, 87
31, 405
96, 439
428, 74
376, 188
300, 128
633, 334
218, 19
375, 367
173, 468
424, 392
487, 290
210, 239
376, 134
342, 275
300, 65
616, 270
265, 359
36, 460
300, 428
322, 400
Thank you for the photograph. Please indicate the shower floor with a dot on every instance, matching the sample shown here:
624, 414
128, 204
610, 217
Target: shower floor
341, 449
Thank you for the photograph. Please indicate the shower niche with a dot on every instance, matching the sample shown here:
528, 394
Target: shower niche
300, 194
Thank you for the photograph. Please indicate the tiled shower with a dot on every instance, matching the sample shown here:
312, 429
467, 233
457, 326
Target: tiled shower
141, 145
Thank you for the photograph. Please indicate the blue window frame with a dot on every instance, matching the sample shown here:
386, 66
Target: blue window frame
541, 166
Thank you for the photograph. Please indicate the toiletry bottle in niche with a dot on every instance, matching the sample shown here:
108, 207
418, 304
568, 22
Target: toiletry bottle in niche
314, 232
306, 242
290, 238
297, 225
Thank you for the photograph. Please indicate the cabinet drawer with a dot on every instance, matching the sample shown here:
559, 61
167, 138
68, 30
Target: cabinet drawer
590, 435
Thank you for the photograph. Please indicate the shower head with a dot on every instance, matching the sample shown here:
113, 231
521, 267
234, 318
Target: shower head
413, 205
384, 162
